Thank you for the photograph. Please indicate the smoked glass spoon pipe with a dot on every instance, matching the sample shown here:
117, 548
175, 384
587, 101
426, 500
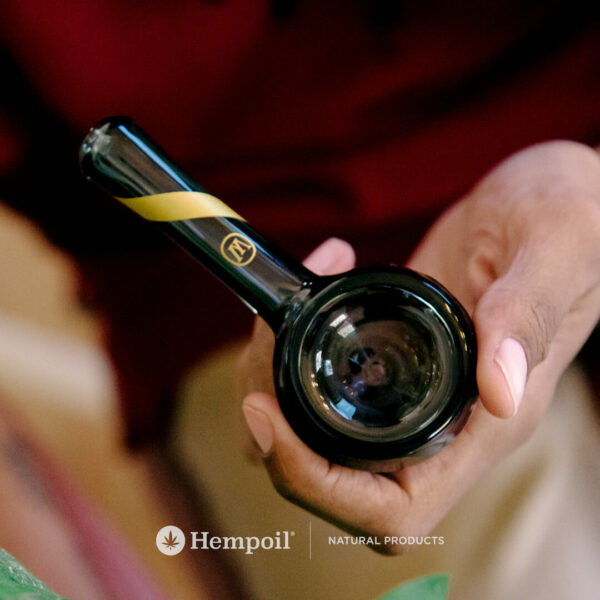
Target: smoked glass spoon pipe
373, 368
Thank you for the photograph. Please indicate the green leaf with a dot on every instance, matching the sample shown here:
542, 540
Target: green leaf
431, 587
17, 583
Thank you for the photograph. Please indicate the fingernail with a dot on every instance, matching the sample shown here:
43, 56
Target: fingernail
260, 427
511, 359
331, 256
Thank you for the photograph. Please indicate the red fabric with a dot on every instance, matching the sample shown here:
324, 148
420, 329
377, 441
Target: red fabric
318, 124
320, 102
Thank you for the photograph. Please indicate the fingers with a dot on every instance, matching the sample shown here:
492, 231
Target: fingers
542, 282
522, 253
409, 502
358, 501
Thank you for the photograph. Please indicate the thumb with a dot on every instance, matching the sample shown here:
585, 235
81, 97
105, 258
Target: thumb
515, 320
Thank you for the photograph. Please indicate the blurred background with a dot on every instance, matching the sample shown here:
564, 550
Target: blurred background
57, 388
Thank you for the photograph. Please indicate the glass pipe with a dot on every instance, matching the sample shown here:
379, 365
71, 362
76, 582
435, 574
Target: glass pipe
373, 368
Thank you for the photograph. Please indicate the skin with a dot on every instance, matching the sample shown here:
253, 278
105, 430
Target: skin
522, 253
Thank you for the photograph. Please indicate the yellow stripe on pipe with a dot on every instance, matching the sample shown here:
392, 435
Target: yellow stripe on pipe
176, 206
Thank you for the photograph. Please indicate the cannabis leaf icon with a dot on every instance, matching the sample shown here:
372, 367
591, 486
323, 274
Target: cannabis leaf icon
170, 541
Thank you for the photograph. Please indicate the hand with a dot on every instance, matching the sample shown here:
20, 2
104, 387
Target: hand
522, 253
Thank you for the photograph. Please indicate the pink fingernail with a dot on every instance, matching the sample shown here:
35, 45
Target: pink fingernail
511, 359
260, 427
333, 255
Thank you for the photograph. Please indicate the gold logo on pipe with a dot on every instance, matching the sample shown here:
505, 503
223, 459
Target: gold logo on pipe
238, 249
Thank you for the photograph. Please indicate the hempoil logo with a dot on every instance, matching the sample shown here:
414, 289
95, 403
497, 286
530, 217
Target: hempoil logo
170, 540
205, 541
